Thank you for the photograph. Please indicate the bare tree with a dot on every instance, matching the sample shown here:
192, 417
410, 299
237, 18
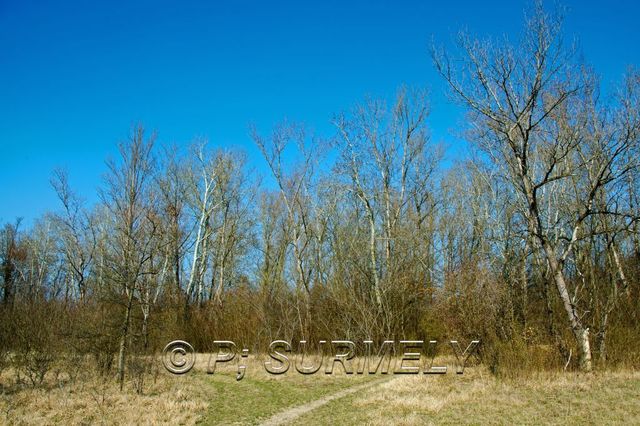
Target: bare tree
172, 188
127, 197
531, 114
76, 231
387, 163
294, 190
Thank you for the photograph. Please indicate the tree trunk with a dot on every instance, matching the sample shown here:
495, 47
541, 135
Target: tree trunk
580, 333
602, 338
123, 340
374, 263
618, 263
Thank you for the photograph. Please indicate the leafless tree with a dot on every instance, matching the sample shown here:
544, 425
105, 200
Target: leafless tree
127, 196
532, 113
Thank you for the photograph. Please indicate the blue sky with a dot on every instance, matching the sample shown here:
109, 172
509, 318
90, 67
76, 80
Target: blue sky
74, 76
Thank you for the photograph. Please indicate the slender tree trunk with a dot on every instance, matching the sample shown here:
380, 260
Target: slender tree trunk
580, 333
374, 263
602, 337
221, 262
524, 283
623, 277
176, 257
123, 339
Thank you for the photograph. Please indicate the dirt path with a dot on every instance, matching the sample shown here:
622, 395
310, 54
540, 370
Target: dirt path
295, 412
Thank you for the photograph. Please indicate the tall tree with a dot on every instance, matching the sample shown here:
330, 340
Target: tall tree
128, 197
532, 114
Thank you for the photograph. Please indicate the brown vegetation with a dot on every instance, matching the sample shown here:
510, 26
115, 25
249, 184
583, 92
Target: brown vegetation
531, 246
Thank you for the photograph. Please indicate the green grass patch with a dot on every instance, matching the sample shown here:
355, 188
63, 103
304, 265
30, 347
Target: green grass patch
255, 399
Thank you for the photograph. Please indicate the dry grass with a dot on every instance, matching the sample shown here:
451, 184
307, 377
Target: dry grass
94, 401
479, 398
188, 399
476, 397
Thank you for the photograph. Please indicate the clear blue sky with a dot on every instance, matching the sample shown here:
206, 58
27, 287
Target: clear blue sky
74, 76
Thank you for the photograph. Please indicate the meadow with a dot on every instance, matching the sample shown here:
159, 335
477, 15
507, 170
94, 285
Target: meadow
475, 397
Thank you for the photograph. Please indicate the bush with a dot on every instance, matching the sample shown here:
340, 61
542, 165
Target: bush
36, 345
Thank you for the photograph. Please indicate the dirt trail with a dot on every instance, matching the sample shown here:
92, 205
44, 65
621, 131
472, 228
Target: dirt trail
295, 412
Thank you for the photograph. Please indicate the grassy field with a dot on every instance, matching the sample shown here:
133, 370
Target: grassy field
476, 397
